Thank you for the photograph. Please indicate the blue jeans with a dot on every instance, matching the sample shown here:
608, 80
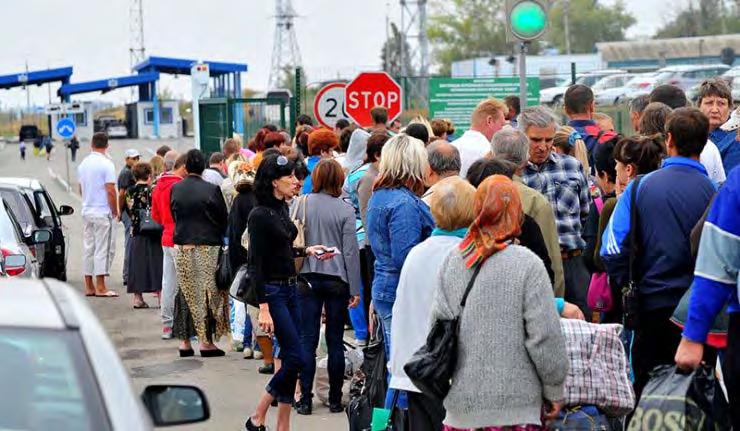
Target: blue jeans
385, 313
330, 294
247, 340
359, 320
286, 318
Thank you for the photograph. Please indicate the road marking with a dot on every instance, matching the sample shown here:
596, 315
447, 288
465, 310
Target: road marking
64, 184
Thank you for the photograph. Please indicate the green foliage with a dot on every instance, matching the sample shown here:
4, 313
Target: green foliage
462, 29
705, 18
590, 21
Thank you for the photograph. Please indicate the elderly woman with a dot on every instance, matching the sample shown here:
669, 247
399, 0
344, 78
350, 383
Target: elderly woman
397, 220
200, 216
329, 221
511, 362
273, 277
321, 145
452, 209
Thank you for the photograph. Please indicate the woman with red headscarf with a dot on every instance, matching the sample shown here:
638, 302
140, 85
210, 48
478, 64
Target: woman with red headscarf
512, 361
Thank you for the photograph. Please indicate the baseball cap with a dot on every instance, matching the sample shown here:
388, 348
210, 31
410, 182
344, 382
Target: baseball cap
132, 153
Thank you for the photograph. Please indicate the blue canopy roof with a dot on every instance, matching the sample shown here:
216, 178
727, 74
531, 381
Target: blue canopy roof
181, 66
109, 84
37, 77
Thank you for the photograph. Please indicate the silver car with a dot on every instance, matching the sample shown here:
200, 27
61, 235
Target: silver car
611, 89
686, 77
61, 372
15, 246
554, 95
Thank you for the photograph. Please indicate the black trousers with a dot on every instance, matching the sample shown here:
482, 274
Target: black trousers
367, 272
577, 279
731, 369
655, 343
425, 413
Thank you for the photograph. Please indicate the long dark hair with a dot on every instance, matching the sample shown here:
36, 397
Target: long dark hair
272, 167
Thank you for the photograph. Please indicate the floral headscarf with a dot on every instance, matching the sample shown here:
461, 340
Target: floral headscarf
242, 174
498, 221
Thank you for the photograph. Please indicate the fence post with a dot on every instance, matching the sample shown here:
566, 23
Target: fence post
572, 73
296, 105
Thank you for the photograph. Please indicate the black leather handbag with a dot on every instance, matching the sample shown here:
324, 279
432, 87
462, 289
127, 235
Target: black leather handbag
224, 273
147, 225
431, 367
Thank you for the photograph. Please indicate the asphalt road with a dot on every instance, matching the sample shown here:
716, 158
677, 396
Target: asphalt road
231, 384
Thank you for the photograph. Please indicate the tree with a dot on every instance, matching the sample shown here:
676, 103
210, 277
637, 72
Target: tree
463, 29
391, 54
590, 21
707, 17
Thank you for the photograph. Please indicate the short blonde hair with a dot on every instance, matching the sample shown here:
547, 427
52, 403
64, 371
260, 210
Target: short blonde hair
403, 163
492, 107
453, 203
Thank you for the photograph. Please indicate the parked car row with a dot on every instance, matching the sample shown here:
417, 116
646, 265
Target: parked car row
31, 226
616, 86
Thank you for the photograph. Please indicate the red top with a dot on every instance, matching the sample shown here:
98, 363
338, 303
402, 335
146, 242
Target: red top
161, 212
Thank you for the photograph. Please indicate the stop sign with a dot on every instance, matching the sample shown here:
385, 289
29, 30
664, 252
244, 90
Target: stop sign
371, 89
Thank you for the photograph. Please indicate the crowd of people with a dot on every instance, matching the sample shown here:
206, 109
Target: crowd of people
531, 211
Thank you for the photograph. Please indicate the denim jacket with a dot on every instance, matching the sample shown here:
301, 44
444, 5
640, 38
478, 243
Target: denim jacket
397, 220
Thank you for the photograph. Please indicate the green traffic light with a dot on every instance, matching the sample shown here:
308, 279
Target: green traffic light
528, 20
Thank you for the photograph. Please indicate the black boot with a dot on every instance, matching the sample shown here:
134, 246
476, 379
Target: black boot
304, 406
336, 407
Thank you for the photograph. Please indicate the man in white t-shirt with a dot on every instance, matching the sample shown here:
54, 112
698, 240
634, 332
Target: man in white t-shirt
97, 177
486, 120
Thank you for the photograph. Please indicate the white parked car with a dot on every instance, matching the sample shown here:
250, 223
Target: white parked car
688, 76
640, 85
611, 89
117, 130
554, 95
59, 371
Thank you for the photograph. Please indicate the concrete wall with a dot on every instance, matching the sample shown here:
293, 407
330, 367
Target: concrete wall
170, 122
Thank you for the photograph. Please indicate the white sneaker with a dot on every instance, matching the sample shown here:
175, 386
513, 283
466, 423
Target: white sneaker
247, 352
258, 354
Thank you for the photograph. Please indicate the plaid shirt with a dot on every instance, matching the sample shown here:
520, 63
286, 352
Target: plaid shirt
563, 183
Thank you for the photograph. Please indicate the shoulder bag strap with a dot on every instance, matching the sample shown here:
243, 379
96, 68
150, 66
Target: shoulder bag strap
470, 285
633, 228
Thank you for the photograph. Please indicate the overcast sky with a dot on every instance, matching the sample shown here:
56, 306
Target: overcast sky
336, 37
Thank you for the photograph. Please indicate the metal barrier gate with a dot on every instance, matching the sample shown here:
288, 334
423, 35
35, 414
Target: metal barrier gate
217, 118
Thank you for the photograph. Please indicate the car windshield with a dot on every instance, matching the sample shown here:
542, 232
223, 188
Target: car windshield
51, 382
19, 206
589, 80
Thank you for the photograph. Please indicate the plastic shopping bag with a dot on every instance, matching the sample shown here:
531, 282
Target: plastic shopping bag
675, 400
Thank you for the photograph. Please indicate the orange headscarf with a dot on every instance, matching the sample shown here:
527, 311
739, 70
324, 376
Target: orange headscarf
498, 221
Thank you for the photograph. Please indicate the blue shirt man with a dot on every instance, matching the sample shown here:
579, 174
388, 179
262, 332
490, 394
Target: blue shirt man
670, 201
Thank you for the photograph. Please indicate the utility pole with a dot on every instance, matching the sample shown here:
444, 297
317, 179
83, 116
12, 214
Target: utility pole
523, 74
387, 64
136, 50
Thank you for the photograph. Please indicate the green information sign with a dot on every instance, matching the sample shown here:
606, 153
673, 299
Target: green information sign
456, 98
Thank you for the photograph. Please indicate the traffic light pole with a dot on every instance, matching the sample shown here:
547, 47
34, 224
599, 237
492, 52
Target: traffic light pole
523, 74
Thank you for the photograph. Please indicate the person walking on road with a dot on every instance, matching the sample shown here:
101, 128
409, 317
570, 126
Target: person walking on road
126, 180
508, 322
145, 272
562, 181
335, 283
97, 177
273, 278
74, 145
200, 216
487, 119
670, 201
397, 220
162, 214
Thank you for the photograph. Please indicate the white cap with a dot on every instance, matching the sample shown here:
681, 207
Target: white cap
131, 153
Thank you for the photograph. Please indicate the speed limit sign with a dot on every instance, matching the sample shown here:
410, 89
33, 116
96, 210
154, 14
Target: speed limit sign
328, 107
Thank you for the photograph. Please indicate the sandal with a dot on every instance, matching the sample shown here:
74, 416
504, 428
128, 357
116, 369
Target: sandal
141, 306
108, 294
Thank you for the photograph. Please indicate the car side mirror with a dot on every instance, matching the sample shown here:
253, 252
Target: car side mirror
66, 210
41, 236
175, 404
15, 261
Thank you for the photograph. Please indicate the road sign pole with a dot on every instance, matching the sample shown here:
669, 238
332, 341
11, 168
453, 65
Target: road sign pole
66, 162
523, 74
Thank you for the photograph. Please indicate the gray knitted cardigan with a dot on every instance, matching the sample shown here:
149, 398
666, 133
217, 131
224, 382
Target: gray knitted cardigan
511, 351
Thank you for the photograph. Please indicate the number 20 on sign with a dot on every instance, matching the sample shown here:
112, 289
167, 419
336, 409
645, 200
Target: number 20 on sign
328, 107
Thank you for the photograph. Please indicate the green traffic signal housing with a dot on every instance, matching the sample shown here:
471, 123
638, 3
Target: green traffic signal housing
526, 20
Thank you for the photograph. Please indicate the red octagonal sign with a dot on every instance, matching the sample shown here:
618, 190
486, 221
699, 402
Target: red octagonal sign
371, 89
